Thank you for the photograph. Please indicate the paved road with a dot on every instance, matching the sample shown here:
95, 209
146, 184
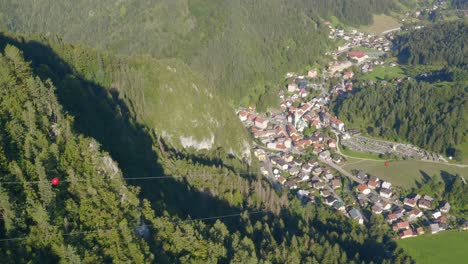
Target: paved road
390, 30
341, 170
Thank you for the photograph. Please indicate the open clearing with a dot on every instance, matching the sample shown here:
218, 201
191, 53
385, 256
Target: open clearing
381, 23
464, 148
446, 247
404, 173
384, 72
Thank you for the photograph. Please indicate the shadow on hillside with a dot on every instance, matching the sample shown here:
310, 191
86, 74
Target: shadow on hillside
445, 176
100, 113
425, 179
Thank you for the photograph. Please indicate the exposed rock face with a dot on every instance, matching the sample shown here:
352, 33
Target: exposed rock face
188, 142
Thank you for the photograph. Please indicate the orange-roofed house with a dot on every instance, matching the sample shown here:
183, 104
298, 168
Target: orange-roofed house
362, 188
406, 234
243, 115
401, 225
358, 55
336, 123
261, 123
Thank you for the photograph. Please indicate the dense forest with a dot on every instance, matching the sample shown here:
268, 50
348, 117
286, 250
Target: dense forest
98, 214
237, 45
428, 111
432, 116
439, 44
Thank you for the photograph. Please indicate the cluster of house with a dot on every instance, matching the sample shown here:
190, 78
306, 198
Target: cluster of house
440, 4
309, 179
354, 38
351, 37
366, 60
282, 134
377, 195
415, 207
284, 131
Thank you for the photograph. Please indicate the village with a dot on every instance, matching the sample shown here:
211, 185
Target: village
298, 145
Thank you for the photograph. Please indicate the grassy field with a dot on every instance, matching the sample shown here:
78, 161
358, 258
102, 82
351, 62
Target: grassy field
464, 149
381, 23
383, 72
403, 173
446, 247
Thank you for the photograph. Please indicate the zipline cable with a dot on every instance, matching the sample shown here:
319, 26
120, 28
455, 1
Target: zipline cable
110, 229
130, 178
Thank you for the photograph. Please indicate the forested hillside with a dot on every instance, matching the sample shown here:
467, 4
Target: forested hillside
164, 95
432, 116
237, 45
429, 111
93, 215
37, 143
440, 44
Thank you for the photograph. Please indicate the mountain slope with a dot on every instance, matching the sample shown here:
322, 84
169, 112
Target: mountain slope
38, 143
93, 216
237, 45
164, 95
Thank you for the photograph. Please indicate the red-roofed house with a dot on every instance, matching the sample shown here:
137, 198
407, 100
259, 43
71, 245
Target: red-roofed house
292, 130
442, 219
401, 225
406, 233
362, 188
280, 131
391, 218
281, 147
414, 214
336, 123
251, 117
357, 55
243, 115
261, 123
